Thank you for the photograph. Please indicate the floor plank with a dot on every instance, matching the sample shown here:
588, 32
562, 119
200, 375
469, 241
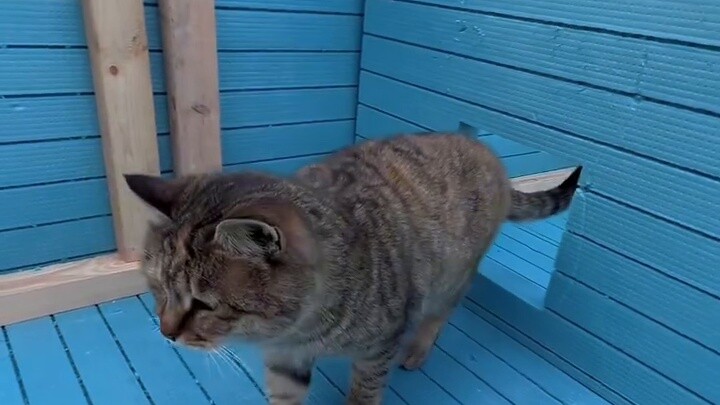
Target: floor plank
520, 358
10, 392
223, 379
45, 369
164, 375
101, 366
488, 367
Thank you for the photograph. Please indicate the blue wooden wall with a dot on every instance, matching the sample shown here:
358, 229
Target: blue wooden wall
630, 89
288, 78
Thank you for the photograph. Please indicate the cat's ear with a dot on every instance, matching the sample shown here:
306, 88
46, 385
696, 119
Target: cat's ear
155, 191
249, 237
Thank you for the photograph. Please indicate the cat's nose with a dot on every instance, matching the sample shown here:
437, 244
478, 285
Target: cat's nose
170, 325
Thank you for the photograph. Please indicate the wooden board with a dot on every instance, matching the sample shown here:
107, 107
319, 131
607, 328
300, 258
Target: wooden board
191, 71
63, 287
117, 40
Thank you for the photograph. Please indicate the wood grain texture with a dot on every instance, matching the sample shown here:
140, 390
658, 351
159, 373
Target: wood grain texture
689, 364
676, 73
661, 297
191, 70
676, 136
625, 231
121, 74
67, 286
594, 362
665, 191
694, 21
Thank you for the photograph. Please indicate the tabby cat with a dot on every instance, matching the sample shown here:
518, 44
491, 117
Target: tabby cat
365, 254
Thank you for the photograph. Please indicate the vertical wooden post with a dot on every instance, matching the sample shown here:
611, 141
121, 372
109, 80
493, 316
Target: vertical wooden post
117, 40
191, 72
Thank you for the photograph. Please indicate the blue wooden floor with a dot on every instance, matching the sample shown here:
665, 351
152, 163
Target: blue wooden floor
113, 353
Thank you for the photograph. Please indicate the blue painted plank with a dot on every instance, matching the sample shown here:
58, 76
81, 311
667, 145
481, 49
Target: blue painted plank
530, 239
545, 263
327, 6
260, 30
44, 366
686, 362
240, 384
519, 265
488, 367
10, 392
510, 280
260, 70
225, 382
694, 21
46, 71
562, 364
265, 143
52, 22
646, 290
59, 23
100, 363
373, 124
53, 161
465, 386
681, 137
663, 190
526, 362
673, 250
545, 230
53, 203
671, 72
33, 246
616, 370
82, 158
406, 384
280, 167
55, 117
157, 364
65, 201
255, 108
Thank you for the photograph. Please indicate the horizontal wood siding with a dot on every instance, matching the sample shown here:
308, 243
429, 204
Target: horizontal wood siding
288, 80
633, 92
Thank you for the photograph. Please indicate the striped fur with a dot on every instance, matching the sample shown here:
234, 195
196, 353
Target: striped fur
360, 255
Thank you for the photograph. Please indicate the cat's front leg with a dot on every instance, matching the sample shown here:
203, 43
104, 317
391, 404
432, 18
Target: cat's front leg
288, 379
370, 376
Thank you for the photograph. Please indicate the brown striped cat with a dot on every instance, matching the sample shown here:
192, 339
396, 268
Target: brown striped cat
359, 255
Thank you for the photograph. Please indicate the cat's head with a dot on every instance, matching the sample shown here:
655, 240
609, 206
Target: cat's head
231, 257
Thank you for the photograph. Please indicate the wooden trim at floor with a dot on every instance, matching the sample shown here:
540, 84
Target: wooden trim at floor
62, 287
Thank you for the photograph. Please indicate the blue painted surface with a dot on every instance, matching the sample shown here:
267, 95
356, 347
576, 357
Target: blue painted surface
115, 352
625, 300
288, 80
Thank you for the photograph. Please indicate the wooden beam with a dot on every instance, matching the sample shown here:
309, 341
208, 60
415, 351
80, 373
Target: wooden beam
191, 72
63, 287
116, 37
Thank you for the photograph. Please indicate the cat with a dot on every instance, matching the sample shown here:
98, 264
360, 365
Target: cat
362, 254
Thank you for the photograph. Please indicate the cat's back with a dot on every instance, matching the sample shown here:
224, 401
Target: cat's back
426, 175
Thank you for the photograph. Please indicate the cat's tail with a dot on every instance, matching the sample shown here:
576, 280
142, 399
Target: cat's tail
543, 204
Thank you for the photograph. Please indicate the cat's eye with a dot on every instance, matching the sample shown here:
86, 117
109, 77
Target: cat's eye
199, 305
